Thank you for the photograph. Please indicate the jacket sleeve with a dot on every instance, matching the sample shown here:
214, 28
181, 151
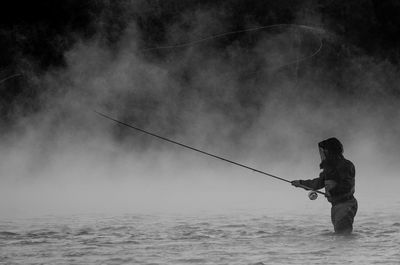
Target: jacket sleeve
315, 184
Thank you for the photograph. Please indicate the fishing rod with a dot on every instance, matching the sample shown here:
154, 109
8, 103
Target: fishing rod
312, 195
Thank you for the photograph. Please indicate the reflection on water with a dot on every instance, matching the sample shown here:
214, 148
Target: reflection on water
206, 239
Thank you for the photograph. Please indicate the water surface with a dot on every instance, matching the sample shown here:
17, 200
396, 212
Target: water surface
238, 238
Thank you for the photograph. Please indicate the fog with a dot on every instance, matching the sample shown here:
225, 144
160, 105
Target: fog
260, 100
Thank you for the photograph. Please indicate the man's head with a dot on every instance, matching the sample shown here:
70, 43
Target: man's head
330, 148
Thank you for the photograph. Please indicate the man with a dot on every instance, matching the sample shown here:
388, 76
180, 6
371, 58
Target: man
337, 177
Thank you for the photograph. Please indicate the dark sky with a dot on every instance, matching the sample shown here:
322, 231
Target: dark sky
36, 36
44, 29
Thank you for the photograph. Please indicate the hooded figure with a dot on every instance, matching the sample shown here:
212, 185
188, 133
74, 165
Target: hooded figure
337, 177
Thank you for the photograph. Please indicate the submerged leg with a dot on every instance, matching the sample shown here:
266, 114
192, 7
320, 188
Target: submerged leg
342, 216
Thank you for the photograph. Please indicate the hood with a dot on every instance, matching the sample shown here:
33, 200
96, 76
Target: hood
333, 145
334, 152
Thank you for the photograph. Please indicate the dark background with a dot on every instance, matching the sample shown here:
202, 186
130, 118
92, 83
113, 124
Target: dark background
34, 35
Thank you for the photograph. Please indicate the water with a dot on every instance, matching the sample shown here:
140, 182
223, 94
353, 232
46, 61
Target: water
238, 238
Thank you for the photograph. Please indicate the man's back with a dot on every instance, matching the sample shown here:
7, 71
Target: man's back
343, 174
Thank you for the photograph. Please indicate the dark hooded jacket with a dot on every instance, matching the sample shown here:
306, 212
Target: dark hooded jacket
335, 167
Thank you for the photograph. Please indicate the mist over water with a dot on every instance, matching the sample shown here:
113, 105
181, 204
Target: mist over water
247, 97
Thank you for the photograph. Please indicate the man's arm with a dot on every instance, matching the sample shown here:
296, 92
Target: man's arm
314, 184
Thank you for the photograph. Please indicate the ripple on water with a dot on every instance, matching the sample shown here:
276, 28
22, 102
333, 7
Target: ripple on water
84, 232
233, 226
7, 234
191, 260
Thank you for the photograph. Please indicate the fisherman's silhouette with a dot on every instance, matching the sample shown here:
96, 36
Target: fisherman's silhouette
337, 177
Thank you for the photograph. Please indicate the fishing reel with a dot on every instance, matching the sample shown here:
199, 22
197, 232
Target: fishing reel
312, 195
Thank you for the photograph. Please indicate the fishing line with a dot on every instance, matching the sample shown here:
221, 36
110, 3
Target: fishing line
198, 41
203, 152
9, 77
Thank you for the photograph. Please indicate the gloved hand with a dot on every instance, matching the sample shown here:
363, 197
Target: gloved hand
296, 183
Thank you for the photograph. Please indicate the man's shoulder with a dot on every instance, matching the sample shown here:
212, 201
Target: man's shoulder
346, 165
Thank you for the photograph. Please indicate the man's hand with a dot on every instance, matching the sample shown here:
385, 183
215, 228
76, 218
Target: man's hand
296, 183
